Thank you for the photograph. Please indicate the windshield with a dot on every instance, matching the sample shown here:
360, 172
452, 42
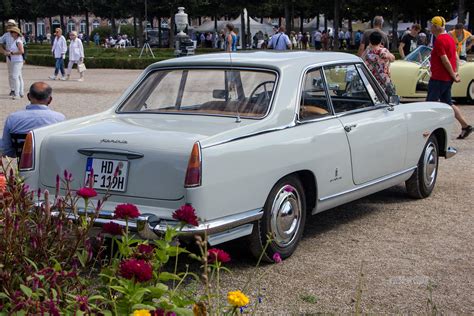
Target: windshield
230, 92
419, 55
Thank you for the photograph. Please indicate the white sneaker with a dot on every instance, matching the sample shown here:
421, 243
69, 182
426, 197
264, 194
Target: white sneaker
80, 79
52, 77
63, 79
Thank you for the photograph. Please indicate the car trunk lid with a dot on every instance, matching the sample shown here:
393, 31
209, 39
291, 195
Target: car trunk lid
154, 152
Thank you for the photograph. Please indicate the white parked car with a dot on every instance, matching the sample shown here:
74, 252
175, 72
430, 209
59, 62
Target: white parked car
254, 141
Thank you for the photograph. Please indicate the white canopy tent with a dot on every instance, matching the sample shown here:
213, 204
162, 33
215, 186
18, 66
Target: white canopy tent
209, 26
453, 22
312, 25
255, 26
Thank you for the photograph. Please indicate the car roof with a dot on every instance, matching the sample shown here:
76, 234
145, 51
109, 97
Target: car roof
261, 59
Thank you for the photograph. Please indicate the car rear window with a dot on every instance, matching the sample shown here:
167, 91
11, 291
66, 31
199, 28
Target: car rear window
229, 92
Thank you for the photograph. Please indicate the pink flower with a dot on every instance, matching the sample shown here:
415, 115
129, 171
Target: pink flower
126, 211
288, 188
186, 214
112, 228
86, 193
145, 249
137, 269
277, 258
161, 312
215, 254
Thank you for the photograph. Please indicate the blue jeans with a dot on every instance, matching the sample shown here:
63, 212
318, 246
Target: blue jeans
59, 66
439, 90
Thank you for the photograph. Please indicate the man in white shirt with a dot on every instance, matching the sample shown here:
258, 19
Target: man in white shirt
7, 40
280, 41
317, 40
348, 38
59, 51
341, 39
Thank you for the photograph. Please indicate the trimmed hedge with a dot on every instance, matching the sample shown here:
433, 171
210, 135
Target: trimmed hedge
98, 62
99, 57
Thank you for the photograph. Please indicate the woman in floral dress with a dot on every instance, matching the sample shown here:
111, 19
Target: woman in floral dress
378, 59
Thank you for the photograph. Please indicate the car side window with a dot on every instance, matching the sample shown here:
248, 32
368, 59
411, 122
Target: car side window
314, 103
375, 93
346, 88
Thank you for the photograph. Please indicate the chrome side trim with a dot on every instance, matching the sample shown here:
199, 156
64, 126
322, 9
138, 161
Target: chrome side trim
270, 130
451, 152
120, 152
368, 184
231, 234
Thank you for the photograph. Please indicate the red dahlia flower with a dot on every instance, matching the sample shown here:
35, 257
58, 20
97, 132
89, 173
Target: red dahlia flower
126, 211
112, 228
186, 214
145, 249
219, 255
86, 193
139, 269
161, 312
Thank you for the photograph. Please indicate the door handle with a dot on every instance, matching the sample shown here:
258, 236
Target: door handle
349, 128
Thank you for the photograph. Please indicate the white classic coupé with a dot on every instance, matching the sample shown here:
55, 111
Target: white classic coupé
254, 141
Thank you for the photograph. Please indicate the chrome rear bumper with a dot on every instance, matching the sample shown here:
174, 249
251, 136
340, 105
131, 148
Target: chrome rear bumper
149, 226
450, 152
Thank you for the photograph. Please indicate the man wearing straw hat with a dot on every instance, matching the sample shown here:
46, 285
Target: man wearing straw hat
444, 71
6, 40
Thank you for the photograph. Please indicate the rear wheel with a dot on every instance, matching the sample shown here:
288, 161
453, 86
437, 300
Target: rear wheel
284, 216
422, 182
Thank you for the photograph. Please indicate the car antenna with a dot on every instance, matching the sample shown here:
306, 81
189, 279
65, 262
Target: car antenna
237, 119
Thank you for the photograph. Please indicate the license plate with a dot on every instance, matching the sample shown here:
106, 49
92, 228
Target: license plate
104, 170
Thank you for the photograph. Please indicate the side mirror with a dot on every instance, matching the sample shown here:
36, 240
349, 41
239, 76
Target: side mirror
219, 94
394, 100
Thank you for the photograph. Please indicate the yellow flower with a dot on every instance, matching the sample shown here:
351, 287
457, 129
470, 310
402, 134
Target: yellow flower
237, 298
141, 312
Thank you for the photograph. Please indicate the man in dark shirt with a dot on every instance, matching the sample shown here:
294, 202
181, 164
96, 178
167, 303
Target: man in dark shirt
444, 71
409, 41
364, 43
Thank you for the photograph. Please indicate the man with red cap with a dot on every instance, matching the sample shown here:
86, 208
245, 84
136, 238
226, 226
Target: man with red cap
444, 71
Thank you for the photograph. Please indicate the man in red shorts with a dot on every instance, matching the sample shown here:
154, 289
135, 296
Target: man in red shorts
443, 71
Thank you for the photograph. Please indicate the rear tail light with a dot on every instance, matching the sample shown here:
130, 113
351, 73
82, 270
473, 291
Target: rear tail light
27, 159
193, 173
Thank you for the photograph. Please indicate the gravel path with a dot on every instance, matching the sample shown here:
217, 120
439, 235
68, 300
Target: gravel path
402, 245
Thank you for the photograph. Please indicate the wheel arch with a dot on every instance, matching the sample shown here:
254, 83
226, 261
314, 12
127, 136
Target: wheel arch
308, 180
442, 138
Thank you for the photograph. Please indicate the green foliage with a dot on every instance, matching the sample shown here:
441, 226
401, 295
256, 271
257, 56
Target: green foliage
104, 32
50, 265
127, 29
309, 298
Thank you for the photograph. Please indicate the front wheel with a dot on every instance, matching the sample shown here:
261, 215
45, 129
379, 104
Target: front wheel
284, 217
422, 182
470, 91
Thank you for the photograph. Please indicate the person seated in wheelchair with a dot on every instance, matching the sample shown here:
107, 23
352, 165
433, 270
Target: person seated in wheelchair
36, 114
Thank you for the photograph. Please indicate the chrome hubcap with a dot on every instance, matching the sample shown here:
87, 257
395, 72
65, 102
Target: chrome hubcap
471, 90
430, 164
285, 216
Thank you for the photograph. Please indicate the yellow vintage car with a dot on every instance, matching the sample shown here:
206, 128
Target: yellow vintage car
411, 75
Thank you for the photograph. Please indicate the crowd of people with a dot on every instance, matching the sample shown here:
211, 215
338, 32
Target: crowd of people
373, 48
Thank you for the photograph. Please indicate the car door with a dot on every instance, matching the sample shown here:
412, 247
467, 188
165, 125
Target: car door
324, 144
376, 132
